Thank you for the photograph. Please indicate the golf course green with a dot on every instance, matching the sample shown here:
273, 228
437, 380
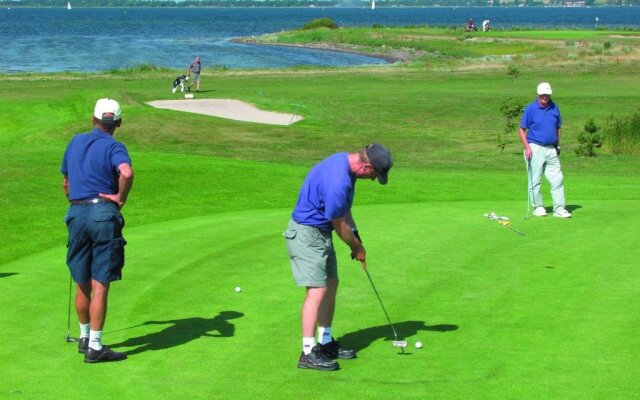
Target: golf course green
552, 314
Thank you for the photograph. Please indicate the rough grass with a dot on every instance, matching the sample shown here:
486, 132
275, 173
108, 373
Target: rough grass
546, 315
451, 49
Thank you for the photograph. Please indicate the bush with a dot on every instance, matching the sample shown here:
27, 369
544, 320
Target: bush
511, 110
320, 23
589, 140
623, 135
513, 71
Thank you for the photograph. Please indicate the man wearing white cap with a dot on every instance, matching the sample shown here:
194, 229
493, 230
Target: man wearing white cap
540, 135
97, 178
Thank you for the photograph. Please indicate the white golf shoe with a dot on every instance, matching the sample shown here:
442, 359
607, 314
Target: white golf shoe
540, 212
561, 213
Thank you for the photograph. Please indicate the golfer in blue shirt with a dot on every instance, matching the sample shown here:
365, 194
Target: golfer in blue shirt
97, 180
324, 205
540, 135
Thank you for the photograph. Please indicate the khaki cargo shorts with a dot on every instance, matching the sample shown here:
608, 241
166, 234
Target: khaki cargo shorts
313, 258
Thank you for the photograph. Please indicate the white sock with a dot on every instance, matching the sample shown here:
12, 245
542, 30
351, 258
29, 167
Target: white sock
324, 334
95, 340
84, 330
308, 343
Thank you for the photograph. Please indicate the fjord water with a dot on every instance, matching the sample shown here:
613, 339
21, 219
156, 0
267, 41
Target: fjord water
98, 39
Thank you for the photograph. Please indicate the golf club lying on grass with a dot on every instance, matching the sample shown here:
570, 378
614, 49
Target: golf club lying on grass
504, 221
68, 338
396, 343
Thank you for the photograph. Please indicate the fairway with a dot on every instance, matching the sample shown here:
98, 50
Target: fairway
488, 312
552, 314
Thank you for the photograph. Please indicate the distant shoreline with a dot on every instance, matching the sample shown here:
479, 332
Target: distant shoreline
321, 46
13, 5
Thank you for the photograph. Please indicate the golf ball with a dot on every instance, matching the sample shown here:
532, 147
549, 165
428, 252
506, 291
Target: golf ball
238, 290
418, 345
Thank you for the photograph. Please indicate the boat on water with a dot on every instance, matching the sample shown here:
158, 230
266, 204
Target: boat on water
373, 4
68, 5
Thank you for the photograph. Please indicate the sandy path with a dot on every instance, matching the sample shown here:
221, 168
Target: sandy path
227, 108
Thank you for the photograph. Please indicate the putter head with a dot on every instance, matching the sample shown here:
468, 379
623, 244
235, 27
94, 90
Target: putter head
70, 339
400, 343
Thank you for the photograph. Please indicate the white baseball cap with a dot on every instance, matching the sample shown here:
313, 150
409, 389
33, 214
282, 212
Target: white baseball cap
544, 88
107, 106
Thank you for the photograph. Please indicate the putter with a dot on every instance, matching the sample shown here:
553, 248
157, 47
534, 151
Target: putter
396, 343
68, 338
529, 183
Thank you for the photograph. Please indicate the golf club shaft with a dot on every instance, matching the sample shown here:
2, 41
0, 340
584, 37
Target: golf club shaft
529, 186
382, 305
69, 309
514, 229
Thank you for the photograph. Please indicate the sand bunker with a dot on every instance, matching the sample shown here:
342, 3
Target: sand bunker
227, 108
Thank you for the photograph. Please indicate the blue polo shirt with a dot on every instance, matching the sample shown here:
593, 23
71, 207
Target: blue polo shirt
542, 124
327, 193
91, 163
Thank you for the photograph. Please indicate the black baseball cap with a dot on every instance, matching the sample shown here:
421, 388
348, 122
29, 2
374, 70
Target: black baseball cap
381, 160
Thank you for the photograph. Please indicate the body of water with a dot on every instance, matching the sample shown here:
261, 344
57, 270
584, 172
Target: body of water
98, 39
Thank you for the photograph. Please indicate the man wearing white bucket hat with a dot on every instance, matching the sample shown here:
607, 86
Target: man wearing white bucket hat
540, 135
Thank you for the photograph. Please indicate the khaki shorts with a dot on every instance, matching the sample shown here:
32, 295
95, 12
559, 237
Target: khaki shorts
313, 258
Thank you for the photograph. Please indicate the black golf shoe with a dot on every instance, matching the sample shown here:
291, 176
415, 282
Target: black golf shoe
317, 360
334, 350
103, 355
83, 345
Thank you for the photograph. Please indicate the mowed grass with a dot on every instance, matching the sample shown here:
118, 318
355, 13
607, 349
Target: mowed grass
547, 315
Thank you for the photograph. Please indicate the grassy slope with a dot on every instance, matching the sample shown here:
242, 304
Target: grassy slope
211, 197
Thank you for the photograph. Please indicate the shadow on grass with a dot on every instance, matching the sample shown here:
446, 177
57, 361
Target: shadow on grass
7, 274
572, 207
361, 339
181, 331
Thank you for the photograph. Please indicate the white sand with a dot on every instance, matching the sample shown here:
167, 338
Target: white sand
227, 108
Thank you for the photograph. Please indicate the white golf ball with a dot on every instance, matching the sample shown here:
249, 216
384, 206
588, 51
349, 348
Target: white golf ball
238, 290
418, 345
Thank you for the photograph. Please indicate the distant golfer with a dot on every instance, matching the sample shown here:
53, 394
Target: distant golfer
97, 179
193, 72
324, 205
540, 135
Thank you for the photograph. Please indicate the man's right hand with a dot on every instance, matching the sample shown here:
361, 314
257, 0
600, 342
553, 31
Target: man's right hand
358, 253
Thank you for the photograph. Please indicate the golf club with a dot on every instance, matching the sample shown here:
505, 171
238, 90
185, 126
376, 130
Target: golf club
396, 343
529, 183
68, 338
504, 221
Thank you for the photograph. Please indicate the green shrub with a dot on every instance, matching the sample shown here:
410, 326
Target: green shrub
589, 140
513, 71
511, 109
320, 23
622, 136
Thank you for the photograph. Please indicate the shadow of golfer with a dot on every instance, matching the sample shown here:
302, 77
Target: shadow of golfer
572, 207
7, 274
361, 339
181, 331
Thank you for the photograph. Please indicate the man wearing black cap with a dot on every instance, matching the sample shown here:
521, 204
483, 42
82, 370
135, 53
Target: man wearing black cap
324, 205
97, 178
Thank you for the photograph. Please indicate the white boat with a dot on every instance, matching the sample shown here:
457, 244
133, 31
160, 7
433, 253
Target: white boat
68, 5
373, 4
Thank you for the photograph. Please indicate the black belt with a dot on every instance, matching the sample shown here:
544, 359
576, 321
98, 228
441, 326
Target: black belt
85, 202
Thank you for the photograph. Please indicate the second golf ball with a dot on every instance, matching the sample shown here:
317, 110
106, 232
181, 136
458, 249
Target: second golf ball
418, 345
238, 290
